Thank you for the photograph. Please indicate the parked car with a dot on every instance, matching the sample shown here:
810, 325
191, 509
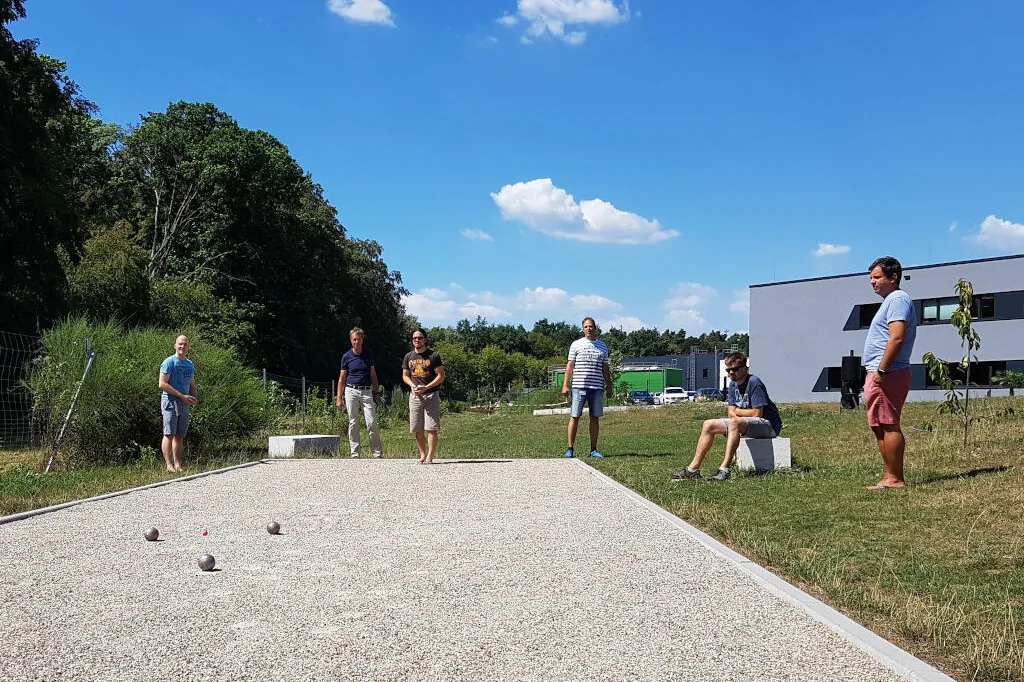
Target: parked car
657, 398
709, 394
641, 397
674, 394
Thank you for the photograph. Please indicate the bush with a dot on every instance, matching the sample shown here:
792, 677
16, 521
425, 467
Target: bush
117, 414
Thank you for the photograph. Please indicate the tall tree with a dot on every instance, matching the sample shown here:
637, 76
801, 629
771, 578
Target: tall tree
45, 141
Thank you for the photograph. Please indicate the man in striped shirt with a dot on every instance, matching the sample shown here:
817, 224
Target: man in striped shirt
591, 380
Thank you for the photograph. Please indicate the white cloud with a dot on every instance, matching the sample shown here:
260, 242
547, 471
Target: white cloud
439, 306
362, 11
564, 19
999, 234
689, 295
953, 225
554, 212
593, 303
542, 298
741, 301
830, 250
626, 324
690, 320
477, 235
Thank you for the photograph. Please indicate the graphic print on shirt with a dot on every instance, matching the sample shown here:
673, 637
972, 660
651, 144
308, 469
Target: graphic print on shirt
743, 401
419, 368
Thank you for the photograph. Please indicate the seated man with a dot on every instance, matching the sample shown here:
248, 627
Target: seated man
751, 413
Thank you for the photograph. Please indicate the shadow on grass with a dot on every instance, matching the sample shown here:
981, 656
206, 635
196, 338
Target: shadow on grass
647, 455
938, 478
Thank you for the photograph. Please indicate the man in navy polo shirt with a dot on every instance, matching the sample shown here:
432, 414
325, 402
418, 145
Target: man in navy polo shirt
357, 385
751, 413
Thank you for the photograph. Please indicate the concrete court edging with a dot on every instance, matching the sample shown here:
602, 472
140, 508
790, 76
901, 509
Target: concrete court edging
879, 648
64, 505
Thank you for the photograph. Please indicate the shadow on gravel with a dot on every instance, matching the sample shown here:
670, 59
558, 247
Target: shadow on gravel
474, 461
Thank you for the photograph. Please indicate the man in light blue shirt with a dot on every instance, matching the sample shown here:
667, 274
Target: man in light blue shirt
178, 383
887, 351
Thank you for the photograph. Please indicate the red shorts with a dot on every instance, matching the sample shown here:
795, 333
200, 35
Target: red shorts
885, 402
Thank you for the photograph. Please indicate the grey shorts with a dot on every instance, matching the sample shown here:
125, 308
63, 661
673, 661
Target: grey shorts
425, 412
176, 414
757, 427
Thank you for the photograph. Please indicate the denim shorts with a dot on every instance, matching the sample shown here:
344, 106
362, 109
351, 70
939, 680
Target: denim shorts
175, 414
592, 396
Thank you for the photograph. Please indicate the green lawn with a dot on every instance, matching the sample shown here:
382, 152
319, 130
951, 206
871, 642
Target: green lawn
937, 568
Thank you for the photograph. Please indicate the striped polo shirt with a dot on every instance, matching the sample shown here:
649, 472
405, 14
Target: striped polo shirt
590, 357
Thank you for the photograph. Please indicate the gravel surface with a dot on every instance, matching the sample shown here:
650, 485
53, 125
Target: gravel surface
388, 570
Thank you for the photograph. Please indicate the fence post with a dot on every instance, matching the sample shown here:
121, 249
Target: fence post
303, 403
60, 436
333, 390
264, 379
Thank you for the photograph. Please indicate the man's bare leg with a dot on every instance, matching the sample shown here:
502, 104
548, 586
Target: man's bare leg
595, 431
421, 445
166, 446
431, 446
574, 424
891, 445
710, 429
737, 427
178, 447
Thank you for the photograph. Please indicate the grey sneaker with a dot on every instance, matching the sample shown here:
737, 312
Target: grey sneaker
722, 475
685, 474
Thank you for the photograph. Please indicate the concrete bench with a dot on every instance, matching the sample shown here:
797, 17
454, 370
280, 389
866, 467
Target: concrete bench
764, 454
290, 446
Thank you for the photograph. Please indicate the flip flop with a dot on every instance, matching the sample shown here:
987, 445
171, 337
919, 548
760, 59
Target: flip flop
882, 486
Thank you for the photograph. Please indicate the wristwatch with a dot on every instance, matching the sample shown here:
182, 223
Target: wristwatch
881, 372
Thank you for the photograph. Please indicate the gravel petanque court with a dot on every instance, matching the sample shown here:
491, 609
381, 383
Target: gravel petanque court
388, 570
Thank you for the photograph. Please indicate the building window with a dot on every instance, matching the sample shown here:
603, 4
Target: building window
981, 373
867, 313
705, 372
937, 310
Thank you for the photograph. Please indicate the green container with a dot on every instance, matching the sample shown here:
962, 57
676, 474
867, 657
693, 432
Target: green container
653, 380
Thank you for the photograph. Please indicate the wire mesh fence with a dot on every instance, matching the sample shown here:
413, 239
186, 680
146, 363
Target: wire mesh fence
18, 427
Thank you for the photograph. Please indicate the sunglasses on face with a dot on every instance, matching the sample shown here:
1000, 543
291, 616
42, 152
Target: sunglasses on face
734, 369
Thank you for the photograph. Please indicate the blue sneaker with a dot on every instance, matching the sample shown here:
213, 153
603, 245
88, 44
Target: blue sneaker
595, 453
568, 453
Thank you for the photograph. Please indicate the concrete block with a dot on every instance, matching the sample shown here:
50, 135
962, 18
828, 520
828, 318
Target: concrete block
764, 454
290, 446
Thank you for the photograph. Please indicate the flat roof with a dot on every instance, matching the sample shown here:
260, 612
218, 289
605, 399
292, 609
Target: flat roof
905, 270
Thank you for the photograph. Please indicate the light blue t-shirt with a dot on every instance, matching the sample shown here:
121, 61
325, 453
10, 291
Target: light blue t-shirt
181, 373
897, 306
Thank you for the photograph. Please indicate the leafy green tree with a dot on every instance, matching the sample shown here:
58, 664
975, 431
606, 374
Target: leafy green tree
110, 281
562, 334
958, 403
1011, 379
460, 370
540, 346
45, 142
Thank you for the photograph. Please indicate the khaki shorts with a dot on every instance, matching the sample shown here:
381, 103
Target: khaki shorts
425, 412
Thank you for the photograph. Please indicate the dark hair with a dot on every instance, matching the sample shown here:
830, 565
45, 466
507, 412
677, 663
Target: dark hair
736, 356
423, 331
589, 318
890, 267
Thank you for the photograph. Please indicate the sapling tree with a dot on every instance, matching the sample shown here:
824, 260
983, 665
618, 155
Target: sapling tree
958, 394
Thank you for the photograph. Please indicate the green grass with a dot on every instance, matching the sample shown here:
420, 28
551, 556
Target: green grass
937, 568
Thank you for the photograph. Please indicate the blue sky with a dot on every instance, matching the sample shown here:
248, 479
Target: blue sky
641, 163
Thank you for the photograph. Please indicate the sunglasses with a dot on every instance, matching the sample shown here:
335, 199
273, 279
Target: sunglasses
734, 369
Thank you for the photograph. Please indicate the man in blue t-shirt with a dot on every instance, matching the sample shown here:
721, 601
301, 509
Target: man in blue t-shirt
357, 390
887, 349
751, 413
179, 394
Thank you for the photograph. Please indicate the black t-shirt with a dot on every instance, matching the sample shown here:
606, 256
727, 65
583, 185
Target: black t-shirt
422, 367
